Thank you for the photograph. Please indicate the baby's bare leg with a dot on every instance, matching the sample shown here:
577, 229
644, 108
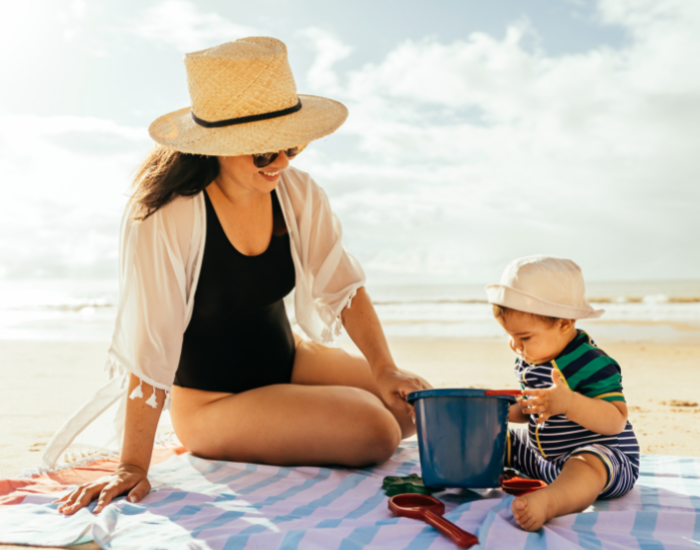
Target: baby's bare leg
581, 480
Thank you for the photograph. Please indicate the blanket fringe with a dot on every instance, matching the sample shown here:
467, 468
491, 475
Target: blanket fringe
74, 460
80, 457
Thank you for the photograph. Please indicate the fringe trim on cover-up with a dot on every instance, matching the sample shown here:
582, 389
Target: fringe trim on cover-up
335, 326
114, 368
152, 402
81, 457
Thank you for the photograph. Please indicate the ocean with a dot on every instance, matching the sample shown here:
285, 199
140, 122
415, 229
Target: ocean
654, 311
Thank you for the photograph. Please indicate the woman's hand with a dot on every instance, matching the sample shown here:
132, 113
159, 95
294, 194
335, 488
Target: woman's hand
126, 478
130, 477
550, 402
395, 385
516, 415
364, 328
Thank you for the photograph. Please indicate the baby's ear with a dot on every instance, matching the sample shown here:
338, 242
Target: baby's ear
566, 324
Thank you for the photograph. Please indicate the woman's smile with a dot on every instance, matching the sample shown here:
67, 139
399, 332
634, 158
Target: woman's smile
270, 176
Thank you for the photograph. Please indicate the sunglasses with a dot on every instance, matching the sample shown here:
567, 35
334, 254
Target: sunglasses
263, 159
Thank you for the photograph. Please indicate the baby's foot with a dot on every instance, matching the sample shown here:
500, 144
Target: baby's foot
531, 511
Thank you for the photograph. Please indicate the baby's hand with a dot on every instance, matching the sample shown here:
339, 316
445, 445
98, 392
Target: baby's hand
550, 402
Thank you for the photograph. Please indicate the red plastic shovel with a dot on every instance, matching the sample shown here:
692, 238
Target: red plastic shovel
520, 486
430, 510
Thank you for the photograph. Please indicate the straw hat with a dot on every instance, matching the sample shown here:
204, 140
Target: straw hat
543, 285
245, 101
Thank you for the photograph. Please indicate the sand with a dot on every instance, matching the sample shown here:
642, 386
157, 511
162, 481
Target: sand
43, 383
660, 381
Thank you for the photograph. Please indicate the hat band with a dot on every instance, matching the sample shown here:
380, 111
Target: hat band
244, 119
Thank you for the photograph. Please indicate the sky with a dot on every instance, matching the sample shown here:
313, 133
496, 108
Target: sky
478, 131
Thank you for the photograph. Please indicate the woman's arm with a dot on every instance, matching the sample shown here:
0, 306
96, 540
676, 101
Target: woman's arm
137, 447
363, 326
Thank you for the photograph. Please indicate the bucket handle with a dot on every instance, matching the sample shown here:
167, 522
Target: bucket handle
494, 393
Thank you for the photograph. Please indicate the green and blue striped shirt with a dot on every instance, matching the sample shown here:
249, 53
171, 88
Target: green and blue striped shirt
589, 371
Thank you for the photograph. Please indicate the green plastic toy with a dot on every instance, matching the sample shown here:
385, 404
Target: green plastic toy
409, 484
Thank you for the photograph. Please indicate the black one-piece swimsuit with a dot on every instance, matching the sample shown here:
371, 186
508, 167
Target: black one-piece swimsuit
239, 337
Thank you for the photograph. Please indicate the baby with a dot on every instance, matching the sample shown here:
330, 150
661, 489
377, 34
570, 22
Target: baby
578, 438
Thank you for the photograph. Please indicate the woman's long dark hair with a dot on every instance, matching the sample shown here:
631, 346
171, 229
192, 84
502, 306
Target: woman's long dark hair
166, 174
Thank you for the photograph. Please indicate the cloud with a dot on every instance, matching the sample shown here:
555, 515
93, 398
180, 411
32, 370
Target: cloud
484, 149
65, 180
477, 72
457, 157
73, 14
77, 9
181, 24
321, 76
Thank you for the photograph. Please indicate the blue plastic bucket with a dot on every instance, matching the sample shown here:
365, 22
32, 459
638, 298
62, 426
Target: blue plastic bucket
461, 436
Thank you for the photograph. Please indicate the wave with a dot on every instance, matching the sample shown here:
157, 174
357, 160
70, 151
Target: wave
77, 307
67, 306
621, 300
653, 299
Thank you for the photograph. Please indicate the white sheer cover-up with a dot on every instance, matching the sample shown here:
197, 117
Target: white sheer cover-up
159, 264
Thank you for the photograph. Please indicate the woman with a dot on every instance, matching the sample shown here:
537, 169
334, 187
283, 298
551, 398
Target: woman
219, 230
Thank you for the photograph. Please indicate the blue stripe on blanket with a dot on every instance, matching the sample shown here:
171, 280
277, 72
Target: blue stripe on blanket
197, 503
584, 529
645, 521
369, 504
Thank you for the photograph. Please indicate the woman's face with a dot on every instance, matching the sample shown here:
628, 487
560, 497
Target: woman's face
242, 172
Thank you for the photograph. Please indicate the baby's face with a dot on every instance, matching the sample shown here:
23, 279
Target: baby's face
535, 339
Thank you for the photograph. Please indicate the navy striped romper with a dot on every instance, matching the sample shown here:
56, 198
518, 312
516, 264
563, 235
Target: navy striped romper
541, 450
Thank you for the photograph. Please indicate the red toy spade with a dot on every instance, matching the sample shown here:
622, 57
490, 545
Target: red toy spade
430, 510
519, 486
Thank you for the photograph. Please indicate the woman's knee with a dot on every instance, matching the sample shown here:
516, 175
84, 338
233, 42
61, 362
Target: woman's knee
387, 437
378, 429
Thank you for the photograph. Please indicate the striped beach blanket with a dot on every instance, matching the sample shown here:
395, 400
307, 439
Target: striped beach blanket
205, 504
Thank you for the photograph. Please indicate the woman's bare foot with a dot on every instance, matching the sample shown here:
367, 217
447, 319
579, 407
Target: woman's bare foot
531, 511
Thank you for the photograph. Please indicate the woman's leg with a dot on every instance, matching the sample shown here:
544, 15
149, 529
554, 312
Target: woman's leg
287, 424
319, 365
330, 414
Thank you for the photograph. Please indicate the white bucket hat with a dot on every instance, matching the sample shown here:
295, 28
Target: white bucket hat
245, 101
543, 285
